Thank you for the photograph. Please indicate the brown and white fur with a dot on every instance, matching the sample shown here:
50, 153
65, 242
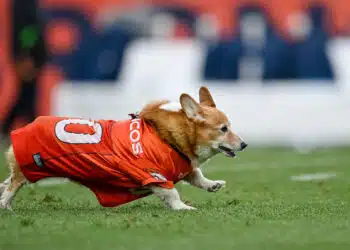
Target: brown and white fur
198, 130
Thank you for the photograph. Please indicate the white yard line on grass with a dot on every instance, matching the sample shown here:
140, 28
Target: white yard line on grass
313, 177
272, 165
52, 181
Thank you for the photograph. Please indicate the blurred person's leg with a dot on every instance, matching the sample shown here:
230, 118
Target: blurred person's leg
24, 107
29, 57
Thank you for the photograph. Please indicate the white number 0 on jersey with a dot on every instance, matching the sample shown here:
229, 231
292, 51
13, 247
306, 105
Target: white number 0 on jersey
78, 138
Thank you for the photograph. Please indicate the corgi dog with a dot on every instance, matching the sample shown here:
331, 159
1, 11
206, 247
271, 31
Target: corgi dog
122, 161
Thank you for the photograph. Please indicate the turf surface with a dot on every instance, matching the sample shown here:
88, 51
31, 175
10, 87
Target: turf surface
261, 208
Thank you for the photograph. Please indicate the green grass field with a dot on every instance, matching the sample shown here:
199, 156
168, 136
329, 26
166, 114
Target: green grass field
261, 208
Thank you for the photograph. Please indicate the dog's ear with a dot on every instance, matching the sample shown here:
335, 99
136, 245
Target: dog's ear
205, 97
191, 108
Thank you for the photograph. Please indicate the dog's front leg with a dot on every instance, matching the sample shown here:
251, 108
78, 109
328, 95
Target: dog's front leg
171, 198
197, 179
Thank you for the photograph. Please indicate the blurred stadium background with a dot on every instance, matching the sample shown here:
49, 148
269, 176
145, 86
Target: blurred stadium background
278, 68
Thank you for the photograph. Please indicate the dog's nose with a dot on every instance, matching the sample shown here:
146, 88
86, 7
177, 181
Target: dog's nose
243, 145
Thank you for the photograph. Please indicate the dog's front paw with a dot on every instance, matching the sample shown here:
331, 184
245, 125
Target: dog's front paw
217, 185
186, 207
182, 206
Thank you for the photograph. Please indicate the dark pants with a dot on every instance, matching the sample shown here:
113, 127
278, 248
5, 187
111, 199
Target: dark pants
27, 43
24, 107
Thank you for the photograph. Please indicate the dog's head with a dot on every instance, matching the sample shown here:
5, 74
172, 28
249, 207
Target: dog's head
213, 128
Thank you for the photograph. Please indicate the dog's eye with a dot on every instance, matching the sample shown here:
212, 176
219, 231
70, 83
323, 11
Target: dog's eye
224, 129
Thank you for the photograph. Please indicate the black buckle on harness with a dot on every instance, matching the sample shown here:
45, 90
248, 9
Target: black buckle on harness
134, 115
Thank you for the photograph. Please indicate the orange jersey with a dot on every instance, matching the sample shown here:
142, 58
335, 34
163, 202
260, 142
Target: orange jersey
115, 159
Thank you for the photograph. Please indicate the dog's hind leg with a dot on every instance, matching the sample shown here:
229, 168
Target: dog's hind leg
12, 184
4, 184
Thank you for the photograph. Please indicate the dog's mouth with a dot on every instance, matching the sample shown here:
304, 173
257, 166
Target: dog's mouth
227, 151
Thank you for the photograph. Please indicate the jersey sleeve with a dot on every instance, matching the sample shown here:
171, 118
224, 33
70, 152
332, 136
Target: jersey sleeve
155, 179
145, 172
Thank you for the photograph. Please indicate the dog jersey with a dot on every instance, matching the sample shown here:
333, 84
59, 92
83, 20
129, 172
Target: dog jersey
115, 159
